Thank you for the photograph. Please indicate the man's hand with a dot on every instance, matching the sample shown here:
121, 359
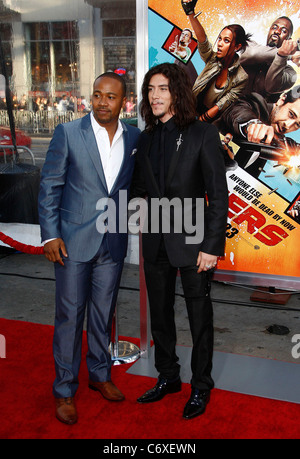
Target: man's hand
288, 47
177, 49
293, 212
189, 6
173, 47
53, 250
258, 132
205, 262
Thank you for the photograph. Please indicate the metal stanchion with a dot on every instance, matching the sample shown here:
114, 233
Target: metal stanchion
121, 351
124, 351
144, 309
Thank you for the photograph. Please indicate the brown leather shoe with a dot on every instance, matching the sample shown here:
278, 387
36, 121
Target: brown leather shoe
66, 410
108, 390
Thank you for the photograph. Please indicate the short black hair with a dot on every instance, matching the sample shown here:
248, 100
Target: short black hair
290, 21
115, 76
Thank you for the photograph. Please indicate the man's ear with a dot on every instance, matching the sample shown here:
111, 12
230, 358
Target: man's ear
281, 100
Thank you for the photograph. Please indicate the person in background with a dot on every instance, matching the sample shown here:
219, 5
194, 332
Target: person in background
230, 163
223, 79
254, 120
63, 104
267, 65
180, 47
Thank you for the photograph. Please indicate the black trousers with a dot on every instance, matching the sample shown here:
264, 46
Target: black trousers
161, 281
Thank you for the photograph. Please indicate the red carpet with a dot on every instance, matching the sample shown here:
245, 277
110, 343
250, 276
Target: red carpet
27, 408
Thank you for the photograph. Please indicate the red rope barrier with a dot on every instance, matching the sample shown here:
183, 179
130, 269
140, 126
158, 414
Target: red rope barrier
21, 247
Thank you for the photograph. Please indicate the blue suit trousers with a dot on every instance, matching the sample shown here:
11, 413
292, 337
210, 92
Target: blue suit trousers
92, 287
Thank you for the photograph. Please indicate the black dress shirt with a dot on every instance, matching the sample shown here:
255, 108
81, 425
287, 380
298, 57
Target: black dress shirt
163, 146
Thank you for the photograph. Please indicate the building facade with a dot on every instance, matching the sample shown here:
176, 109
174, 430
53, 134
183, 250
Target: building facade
52, 52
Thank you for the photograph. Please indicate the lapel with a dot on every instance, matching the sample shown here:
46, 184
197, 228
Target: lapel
92, 148
125, 157
149, 166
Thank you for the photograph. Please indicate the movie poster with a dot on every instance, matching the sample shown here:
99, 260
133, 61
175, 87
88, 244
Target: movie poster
263, 230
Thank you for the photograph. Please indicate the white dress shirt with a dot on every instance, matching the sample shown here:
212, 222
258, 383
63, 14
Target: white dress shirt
111, 155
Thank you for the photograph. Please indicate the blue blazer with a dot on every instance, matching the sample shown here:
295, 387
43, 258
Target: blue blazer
73, 181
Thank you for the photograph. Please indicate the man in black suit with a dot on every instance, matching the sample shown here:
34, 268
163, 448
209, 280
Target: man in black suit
180, 159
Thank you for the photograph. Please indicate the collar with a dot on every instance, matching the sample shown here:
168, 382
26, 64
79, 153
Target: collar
98, 128
169, 125
234, 65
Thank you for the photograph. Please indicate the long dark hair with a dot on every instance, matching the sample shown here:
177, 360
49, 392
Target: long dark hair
183, 99
240, 37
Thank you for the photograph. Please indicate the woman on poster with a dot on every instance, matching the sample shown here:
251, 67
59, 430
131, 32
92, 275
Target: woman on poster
223, 79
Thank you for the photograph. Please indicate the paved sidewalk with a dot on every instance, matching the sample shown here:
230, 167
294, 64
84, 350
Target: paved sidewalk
27, 291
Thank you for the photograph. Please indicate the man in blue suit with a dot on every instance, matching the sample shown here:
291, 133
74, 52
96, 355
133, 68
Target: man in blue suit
88, 161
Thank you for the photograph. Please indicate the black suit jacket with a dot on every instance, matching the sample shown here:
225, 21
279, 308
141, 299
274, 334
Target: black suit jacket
196, 171
249, 107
